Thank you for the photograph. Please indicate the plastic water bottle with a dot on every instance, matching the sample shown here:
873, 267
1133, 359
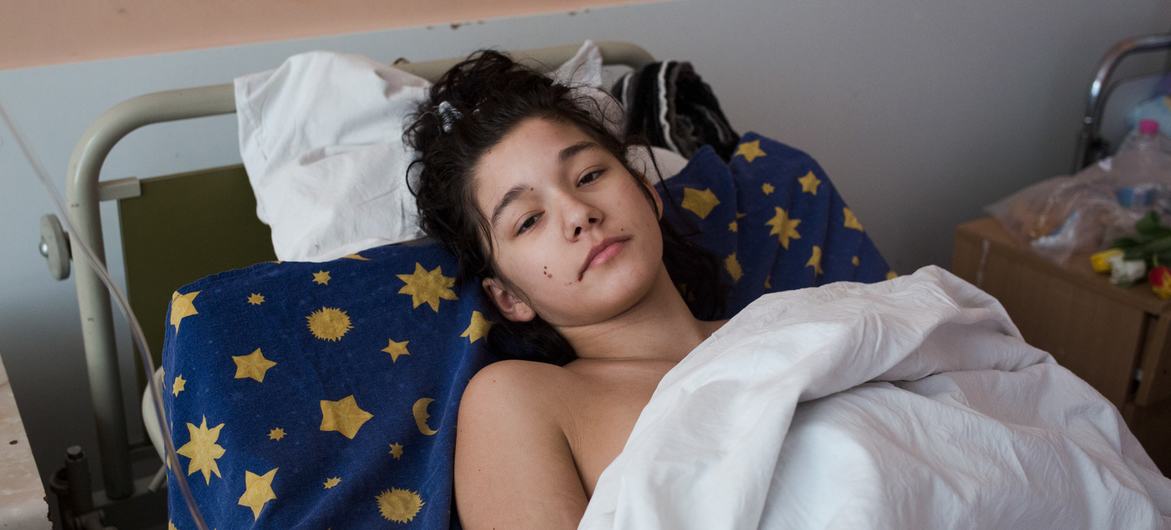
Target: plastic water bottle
1143, 163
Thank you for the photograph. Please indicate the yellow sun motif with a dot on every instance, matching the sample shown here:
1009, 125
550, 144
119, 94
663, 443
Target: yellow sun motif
255, 299
783, 227
890, 275
767, 188
854, 261
182, 306
733, 267
809, 183
427, 287
733, 227
396, 349
815, 260
396, 450
321, 277
750, 150
257, 491
850, 220
252, 366
356, 256
203, 450
343, 416
171, 526
741, 215
477, 328
399, 505
699, 202
768, 282
276, 434
178, 385
329, 323
331, 482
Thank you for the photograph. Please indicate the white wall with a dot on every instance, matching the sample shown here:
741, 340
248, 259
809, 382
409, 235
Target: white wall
921, 111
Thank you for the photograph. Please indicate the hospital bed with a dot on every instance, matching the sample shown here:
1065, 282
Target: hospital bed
211, 212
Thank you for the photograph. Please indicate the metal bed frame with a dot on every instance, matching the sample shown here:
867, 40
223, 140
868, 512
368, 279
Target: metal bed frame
84, 194
1090, 145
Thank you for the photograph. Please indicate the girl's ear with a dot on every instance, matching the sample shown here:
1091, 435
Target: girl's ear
511, 306
655, 196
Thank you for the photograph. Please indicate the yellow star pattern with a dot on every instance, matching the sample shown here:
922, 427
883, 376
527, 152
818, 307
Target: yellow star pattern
276, 434
768, 282
252, 366
395, 349
321, 277
733, 227
767, 188
783, 227
203, 450
890, 275
750, 150
343, 416
427, 287
477, 328
178, 385
356, 256
854, 261
255, 299
850, 221
815, 260
399, 505
809, 183
396, 450
331, 482
699, 202
257, 491
182, 306
171, 525
733, 266
329, 323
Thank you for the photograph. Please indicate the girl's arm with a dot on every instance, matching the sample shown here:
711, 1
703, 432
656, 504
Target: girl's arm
513, 464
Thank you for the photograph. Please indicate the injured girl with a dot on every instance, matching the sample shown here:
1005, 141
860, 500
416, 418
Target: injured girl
912, 403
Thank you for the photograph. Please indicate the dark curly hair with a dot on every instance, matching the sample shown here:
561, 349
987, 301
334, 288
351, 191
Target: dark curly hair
492, 94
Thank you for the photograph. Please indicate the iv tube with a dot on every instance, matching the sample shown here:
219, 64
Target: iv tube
122, 304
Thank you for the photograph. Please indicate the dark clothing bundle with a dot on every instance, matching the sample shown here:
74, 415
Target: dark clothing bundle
691, 118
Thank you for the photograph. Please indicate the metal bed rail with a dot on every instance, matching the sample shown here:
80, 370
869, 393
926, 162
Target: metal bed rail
1090, 146
84, 192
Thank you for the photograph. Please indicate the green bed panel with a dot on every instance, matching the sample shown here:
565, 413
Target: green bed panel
183, 227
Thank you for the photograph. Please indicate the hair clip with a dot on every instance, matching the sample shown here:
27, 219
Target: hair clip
448, 115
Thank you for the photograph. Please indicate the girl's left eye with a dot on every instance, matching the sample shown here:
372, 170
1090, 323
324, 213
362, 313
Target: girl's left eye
591, 176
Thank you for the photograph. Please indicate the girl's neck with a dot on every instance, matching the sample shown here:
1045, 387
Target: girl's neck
660, 327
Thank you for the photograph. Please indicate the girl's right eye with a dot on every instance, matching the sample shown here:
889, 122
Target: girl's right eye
527, 224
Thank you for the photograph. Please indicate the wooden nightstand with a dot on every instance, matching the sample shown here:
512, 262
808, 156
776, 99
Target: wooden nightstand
1118, 340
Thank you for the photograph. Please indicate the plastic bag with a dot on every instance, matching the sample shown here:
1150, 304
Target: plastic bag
1068, 215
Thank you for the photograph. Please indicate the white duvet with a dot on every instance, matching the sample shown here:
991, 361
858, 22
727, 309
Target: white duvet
907, 404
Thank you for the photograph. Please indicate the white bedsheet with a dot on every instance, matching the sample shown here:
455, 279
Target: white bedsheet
920, 407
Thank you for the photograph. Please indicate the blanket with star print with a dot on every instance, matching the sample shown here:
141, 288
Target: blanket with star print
324, 395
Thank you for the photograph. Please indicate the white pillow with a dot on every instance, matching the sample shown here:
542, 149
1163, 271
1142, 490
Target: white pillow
321, 139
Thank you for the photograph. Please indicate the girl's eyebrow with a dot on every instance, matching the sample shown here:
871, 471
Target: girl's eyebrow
574, 149
516, 191
513, 194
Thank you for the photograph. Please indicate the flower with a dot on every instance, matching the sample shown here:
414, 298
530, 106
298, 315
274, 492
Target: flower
1160, 280
1100, 261
1126, 272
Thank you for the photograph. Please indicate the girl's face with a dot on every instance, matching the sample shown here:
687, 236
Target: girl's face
574, 237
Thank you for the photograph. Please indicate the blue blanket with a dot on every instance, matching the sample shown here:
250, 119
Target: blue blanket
324, 395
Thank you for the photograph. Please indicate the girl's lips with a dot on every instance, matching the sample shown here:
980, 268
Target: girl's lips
603, 252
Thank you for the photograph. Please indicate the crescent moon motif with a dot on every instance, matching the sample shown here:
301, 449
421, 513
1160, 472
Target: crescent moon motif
419, 410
